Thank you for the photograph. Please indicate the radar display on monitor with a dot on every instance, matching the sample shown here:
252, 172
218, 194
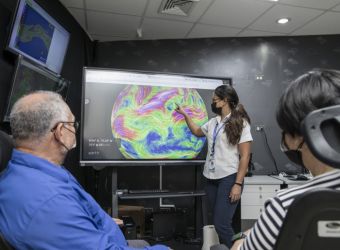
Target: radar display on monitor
28, 78
130, 117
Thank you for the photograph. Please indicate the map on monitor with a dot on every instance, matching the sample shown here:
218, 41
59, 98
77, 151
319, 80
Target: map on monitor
36, 35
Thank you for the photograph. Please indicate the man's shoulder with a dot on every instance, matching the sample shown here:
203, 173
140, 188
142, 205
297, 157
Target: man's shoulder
28, 186
24, 191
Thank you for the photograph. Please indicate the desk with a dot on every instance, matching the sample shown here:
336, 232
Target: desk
154, 195
258, 189
198, 195
291, 183
199, 210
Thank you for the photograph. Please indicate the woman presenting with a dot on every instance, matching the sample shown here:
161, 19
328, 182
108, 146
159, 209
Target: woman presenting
229, 145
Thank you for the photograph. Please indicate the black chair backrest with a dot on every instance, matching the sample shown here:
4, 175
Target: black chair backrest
6, 147
321, 130
312, 222
313, 219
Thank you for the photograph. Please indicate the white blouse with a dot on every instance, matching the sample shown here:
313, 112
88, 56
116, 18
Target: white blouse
225, 159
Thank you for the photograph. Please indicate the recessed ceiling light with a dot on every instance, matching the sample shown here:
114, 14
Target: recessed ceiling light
273, 0
283, 20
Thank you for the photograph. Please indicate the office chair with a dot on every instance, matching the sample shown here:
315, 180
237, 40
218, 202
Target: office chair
313, 219
312, 222
6, 147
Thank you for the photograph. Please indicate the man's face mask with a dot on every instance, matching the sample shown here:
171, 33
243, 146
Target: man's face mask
76, 125
293, 155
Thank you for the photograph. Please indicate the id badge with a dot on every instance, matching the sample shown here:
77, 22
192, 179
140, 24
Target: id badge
211, 164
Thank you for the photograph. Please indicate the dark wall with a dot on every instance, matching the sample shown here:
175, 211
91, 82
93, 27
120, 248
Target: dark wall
77, 56
261, 69
277, 60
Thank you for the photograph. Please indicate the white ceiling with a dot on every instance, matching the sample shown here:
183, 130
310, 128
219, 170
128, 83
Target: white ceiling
113, 20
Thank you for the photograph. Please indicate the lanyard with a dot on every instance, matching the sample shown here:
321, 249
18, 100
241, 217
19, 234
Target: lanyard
216, 131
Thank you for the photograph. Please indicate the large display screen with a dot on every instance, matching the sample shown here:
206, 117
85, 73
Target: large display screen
129, 117
28, 78
36, 35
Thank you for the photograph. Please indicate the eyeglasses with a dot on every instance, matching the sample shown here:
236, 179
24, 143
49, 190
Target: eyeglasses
75, 125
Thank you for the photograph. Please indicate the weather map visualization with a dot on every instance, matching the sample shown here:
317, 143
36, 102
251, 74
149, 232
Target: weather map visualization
130, 117
145, 124
29, 78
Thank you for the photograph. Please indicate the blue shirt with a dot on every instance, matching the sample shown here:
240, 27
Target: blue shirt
42, 206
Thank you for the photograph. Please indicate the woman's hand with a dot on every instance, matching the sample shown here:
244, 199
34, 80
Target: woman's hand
235, 193
180, 110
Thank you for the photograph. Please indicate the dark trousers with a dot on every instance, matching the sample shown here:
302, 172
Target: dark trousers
223, 210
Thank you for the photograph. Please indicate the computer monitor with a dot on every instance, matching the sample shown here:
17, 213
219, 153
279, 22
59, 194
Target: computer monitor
28, 78
37, 36
129, 117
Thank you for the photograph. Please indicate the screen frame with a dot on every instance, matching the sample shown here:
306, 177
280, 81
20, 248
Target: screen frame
19, 52
23, 61
139, 162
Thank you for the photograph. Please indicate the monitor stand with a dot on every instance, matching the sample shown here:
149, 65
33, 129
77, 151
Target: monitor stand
115, 196
161, 204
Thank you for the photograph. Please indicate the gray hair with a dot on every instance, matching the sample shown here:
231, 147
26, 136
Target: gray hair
34, 120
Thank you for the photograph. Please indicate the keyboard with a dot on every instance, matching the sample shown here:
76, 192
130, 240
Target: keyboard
148, 191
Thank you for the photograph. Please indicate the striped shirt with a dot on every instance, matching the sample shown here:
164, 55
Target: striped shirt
264, 233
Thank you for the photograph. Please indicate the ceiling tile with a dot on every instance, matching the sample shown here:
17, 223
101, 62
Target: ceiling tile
79, 15
111, 24
108, 38
249, 33
204, 30
196, 12
319, 4
328, 23
234, 13
164, 29
337, 8
127, 7
299, 16
73, 3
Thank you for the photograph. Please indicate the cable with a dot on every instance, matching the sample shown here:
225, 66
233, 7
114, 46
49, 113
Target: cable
270, 151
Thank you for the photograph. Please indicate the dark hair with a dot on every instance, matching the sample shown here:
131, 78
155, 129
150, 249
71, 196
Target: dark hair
316, 89
235, 124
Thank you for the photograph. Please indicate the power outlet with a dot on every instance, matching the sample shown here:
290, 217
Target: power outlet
259, 128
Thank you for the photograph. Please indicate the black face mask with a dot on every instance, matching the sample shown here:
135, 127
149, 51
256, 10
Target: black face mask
294, 155
217, 111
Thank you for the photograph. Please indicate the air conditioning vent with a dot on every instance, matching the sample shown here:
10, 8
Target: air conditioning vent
177, 7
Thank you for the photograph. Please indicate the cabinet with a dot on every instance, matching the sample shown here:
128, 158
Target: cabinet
256, 191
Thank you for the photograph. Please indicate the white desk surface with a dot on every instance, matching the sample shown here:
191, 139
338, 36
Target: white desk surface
292, 182
270, 180
261, 180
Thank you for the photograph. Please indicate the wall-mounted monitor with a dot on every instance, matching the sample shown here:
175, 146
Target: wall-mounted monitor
28, 78
37, 36
129, 117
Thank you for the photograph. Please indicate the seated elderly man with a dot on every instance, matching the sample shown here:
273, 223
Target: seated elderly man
42, 206
314, 90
